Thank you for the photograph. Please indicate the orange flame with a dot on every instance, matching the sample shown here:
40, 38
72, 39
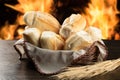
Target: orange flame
102, 14
32, 5
7, 31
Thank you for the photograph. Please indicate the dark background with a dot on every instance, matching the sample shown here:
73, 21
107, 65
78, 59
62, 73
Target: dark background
59, 11
6, 13
69, 7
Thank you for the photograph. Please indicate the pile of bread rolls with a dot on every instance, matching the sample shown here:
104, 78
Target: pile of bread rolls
43, 30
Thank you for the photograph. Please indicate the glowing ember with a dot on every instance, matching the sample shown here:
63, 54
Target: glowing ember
102, 14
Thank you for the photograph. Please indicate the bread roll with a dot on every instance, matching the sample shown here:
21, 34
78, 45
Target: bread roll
42, 21
74, 23
95, 33
32, 35
51, 40
77, 41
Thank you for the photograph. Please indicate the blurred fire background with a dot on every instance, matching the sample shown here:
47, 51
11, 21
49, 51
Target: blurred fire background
11, 13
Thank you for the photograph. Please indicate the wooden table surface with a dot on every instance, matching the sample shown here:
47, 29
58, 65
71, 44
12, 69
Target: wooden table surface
11, 68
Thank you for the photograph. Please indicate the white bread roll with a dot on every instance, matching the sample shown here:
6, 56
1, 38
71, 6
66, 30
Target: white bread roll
77, 41
72, 24
51, 40
95, 33
42, 21
32, 35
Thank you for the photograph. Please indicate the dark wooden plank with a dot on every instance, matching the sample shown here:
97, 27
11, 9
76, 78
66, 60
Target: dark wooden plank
11, 68
113, 48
